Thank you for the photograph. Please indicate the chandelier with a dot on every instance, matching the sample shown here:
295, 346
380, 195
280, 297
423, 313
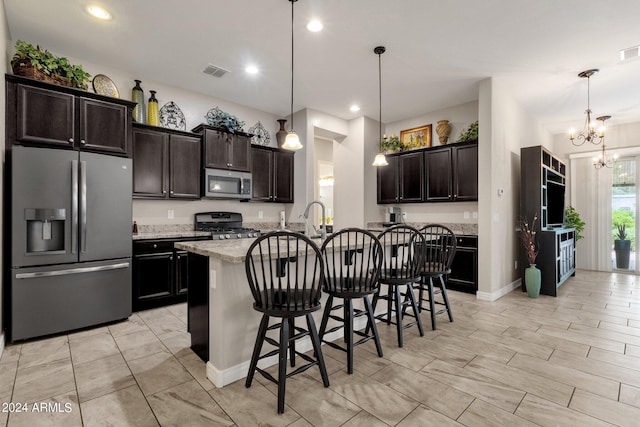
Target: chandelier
380, 159
603, 161
589, 133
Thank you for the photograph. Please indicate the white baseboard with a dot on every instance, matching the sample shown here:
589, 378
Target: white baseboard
221, 378
492, 296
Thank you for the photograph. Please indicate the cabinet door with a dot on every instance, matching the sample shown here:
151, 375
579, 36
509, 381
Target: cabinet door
465, 178
45, 117
388, 181
152, 277
240, 156
184, 167
182, 272
262, 173
150, 163
464, 270
104, 126
438, 172
283, 176
216, 149
411, 177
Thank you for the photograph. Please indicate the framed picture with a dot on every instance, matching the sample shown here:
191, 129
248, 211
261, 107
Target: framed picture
419, 137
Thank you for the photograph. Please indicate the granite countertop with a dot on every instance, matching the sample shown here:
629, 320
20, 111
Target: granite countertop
462, 229
169, 234
232, 251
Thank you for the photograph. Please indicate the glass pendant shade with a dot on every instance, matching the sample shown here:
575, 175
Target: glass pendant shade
380, 160
292, 141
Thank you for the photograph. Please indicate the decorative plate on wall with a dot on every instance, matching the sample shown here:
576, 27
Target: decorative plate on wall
171, 117
103, 85
260, 135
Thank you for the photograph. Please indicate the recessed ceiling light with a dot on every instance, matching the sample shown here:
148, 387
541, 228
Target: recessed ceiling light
99, 12
314, 26
251, 69
354, 108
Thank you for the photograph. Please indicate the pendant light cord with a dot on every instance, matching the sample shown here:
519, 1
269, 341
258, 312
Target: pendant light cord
380, 95
291, 127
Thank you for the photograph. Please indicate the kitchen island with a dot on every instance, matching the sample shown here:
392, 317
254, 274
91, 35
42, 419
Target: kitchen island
222, 321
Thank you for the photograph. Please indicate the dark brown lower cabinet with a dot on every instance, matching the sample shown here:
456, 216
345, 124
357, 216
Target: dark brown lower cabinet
160, 273
464, 268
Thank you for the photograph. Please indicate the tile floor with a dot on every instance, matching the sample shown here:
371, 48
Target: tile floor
573, 360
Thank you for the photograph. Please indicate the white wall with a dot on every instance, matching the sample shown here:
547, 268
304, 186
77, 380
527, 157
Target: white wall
504, 128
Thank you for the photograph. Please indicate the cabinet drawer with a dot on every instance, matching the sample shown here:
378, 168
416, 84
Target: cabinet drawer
152, 247
467, 241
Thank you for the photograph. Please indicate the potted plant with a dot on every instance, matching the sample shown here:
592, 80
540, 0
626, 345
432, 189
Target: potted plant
34, 62
391, 144
572, 220
532, 275
221, 119
470, 134
622, 247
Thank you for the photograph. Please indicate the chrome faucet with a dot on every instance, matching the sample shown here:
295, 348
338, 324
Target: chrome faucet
323, 228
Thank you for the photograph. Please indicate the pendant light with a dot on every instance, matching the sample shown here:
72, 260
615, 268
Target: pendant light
292, 141
380, 159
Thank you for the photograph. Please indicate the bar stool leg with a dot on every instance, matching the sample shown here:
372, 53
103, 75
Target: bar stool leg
414, 307
348, 332
315, 340
325, 317
398, 304
446, 299
282, 363
257, 348
372, 323
292, 342
432, 305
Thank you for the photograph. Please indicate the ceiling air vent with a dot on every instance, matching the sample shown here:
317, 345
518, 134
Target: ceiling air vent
214, 71
632, 52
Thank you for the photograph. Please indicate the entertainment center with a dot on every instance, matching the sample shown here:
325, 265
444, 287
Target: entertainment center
542, 193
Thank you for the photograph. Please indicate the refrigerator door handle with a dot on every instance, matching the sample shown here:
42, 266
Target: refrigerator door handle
74, 206
68, 271
83, 206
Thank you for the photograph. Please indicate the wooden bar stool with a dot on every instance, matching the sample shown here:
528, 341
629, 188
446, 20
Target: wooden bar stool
401, 264
439, 250
285, 273
352, 259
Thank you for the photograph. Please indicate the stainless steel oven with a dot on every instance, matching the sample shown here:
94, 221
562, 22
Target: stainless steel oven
225, 184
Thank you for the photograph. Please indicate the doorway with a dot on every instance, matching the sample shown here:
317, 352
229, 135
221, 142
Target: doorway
624, 197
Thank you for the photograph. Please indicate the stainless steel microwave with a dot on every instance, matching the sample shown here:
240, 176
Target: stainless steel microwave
225, 184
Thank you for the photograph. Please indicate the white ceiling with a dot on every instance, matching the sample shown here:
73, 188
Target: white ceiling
437, 51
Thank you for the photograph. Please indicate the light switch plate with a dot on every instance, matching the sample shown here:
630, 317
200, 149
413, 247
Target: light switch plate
466, 215
170, 214
260, 214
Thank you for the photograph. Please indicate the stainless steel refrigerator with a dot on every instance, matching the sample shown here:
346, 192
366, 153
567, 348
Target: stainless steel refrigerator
70, 240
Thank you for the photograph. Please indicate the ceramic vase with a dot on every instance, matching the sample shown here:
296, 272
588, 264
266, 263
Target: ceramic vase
137, 96
532, 279
282, 133
153, 113
443, 129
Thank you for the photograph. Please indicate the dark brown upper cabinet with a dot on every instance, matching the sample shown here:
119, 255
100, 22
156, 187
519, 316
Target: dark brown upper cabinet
440, 174
272, 171
401, 181
225, 150
166, 164
75, 119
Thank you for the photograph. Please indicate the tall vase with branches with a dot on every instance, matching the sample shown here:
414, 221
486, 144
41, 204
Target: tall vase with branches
532, 274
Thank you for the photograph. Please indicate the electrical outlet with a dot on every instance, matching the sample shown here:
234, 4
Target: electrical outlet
404, 216
475, 214
170, 214
260, 214
466, 215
